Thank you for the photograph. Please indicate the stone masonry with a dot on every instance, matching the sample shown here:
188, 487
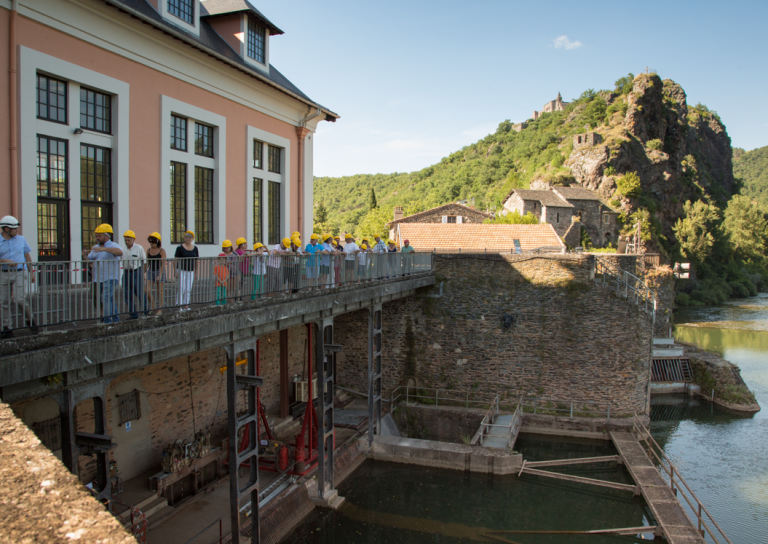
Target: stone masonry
514, 325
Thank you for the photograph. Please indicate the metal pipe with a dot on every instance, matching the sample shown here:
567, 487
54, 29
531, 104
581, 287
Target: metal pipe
13, 108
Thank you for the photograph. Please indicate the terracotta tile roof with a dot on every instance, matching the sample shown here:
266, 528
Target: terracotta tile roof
478, 237
547, 198
433, 210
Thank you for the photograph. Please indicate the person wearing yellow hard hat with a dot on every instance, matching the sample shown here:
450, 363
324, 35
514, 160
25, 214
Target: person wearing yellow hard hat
362, 262
156, 263
106, 269
133, 276
241, 247
313, 262
379, 246
294, 265
351, 249
391, 259
258, 265
275, 277
186, 261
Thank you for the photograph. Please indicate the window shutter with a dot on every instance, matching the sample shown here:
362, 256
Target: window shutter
459, 219
445, 219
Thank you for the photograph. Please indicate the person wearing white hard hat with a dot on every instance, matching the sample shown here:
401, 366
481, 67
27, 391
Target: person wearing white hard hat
133, 275
15, 278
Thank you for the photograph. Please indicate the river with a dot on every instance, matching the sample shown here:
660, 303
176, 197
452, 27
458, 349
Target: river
723, 455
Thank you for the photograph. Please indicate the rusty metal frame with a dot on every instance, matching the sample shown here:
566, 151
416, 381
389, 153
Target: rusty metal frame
375, 339
325, 358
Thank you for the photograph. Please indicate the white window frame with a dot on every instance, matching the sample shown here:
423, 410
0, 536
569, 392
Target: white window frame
169, 17
171, 106
31, 63
244, 45
284, 178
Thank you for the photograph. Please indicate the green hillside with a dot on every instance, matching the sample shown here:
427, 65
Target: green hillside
751, 168
483, 172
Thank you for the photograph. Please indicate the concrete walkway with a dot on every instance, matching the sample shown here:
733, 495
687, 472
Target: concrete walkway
667, 510
498, 437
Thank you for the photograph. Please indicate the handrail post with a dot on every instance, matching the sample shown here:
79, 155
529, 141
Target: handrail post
407, 391
609, 414
571, 409
437, 392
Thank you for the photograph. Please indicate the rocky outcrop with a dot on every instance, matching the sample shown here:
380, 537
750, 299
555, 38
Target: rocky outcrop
679, 152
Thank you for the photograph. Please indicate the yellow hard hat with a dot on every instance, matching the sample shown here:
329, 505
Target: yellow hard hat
327, 237
240, 240
296, 241
104, 228
257, 245
348, 236
336, 238
192, 234
129, 233
390, 241
314, 236
363, 246
296, 234
156, 235
226, 243
286, 242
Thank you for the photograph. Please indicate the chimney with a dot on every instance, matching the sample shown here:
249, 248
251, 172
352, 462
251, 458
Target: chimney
398, 213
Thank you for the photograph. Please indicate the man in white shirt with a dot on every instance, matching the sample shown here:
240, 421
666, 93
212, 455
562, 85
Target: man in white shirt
378, 262
276, 281
133, 275
351, 249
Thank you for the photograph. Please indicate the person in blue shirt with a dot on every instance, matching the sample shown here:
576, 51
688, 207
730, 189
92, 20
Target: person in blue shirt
15, 278
106, 269
313, 264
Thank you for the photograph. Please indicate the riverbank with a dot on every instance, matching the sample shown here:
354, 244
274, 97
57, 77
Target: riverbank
712, 372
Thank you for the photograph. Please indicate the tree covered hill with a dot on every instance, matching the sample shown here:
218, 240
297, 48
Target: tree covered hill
751, 169
663, 164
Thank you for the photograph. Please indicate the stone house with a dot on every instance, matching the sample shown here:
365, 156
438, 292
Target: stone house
448, 213
588, 139
546, 205
598, 219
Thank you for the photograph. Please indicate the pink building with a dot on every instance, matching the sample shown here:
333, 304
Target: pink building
161, 115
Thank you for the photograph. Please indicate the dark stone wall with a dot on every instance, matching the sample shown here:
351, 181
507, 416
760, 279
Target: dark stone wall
514, 325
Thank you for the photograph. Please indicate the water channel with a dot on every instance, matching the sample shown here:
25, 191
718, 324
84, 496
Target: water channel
722, 455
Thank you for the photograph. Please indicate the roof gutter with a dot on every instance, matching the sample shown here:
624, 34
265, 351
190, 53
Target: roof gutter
182, 37
301, 133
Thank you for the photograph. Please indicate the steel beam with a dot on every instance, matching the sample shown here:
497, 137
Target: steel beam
325, 359
374, 371
247, 382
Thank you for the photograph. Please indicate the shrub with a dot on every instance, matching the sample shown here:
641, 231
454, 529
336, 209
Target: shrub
655, 145
629, 185
739, 289
610, 171
682, 299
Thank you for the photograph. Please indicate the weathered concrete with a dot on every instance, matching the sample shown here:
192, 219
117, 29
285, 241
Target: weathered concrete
577, 427
112, 350
428, 453
665, 507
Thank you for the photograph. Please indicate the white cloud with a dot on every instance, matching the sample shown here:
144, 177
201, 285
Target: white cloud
562, 42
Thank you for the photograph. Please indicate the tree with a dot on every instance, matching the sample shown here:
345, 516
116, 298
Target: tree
513, 218
746, 227
321, 214
629, 185
694, 232
372, 204
624, 84
374, 222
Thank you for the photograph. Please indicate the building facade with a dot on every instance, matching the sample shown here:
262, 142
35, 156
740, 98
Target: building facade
553, 105
449, 213
155, 116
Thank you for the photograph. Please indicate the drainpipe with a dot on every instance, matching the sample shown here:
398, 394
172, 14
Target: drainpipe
12, 110
301, 132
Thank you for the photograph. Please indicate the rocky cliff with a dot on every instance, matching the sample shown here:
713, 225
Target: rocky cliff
679, 152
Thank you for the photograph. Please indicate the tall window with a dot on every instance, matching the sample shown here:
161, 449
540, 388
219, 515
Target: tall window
95, 111
178, 133
274, 212
256, 38
258, 209
258, 154
183, 9
51, 99
178, 201
203, 205
95, 190
52, 202
274, 159
203, 140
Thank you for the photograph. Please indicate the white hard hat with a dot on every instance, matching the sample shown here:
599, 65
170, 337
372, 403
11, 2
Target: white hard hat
9, 221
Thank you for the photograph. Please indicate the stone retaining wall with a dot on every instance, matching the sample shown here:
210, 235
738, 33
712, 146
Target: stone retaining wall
513, 325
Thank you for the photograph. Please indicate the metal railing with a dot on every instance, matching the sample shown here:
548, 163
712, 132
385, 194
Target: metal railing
431, 395
52, 293
492, 251
675, 481
627, 285
489, 423
538, 406
221, 534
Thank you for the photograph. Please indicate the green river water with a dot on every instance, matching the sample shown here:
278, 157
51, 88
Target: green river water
723, 456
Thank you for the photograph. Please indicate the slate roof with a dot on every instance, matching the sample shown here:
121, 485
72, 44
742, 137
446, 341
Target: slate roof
576, 193
211, 43
478, 237
212, 8
547, 198
433, 210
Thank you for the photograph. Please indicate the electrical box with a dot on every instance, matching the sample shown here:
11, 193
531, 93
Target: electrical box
302, 390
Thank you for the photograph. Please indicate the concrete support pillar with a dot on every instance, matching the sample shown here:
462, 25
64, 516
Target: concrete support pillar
247, 382
374, 371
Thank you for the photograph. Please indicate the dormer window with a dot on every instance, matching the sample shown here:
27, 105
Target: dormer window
256, 40
183, 9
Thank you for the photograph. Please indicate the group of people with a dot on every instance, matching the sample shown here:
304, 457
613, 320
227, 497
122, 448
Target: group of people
238, 272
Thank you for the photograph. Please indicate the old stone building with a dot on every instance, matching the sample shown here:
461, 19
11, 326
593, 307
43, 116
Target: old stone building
568, 210
553, 105
547, 206
448, 213
587, 139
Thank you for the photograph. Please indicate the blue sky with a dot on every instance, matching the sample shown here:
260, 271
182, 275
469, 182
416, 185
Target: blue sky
415, 81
